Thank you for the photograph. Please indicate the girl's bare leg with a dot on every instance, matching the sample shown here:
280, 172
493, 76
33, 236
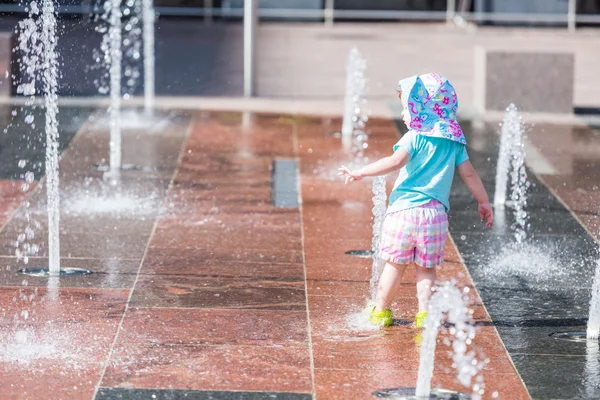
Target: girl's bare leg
388, 285
425, 281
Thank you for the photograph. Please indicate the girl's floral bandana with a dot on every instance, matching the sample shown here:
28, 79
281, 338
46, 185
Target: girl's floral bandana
432, 103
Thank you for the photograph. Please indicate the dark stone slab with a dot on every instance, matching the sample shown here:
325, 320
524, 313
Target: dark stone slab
534, 87
170, 394
561, 223
285, 183
22, 142
544, 262
560, 377
531, 305
6, 45
537, 340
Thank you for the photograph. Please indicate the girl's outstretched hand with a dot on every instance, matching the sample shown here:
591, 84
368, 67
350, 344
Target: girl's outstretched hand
351, 176
486, 213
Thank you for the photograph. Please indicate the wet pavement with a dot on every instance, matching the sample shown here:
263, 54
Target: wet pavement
205, 288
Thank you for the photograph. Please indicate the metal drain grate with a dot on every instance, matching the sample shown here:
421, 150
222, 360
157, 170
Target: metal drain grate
44, 272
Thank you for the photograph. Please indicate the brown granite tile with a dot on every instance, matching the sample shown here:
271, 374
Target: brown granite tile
225, 163
63, 305
580, 198
288, 220
592, 223
87, 245
201, 292
228, 255
577, 165
64, 383
341, 223
344, 288
186, 265
329, 314
386, 352
189, 180
68, 334
337, 288
323, 184
123, 229
168, 326
230, 237
360, 384
107, 273
241, 193
258, 140
223, 367
326, 265
201, 209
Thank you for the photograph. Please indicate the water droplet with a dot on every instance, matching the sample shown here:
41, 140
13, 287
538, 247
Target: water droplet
463, 237
21, 337
29, 119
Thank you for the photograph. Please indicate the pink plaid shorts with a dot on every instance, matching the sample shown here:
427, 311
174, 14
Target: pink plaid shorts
415, 235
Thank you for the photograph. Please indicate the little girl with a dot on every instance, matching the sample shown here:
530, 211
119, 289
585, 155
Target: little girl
416, 225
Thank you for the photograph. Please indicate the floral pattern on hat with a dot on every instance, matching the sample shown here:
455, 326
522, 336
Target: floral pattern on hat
432, 104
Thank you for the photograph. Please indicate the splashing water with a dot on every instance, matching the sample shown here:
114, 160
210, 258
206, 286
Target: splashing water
50, 79
355, 118
537, 264
379, 202
355, 87
591, 380
24, 348
519, 186
131, 46
449, 300
38, 44
94, 203
25, 345
114, 37
511, 162
149, 17
505, 155
593, 327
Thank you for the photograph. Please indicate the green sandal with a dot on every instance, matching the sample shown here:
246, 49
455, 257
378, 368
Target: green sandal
420, 318
380, 317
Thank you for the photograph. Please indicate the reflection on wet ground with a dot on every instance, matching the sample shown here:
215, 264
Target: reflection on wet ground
203, 287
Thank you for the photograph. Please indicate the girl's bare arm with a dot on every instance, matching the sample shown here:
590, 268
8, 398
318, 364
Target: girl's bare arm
475, 186
379, 167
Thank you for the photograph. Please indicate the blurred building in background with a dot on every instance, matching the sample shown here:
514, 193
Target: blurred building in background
484, 11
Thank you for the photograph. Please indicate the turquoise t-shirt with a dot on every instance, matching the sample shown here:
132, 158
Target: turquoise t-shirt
429, 172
